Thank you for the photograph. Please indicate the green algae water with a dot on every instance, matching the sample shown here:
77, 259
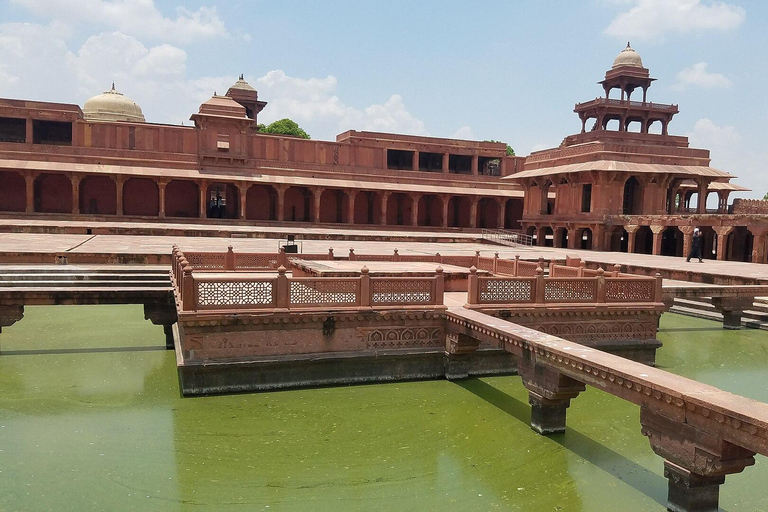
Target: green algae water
91, 419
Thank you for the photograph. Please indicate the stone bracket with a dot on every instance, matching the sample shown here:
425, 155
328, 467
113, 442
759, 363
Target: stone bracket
459, 349
165, 315
732, 309
695, 462
549, 393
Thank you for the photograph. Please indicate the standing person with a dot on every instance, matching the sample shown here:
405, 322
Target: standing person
696, 246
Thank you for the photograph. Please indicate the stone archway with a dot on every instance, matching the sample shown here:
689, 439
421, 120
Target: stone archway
633, 197
513, 213
182, 199
644, 240
141, 196
367, 207
297, 204
222, 201
53, 193
333, 206
430, 210
98, 195
399, 208
488, 213
739, 244
672, 241
13, 192
584, 238
261, 203
459, 208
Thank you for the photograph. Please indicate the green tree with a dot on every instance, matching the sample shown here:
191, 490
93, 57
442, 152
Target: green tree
284, 127
510, 151
765, 197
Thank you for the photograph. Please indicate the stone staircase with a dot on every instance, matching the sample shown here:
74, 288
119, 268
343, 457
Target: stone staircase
118, 278
755, 318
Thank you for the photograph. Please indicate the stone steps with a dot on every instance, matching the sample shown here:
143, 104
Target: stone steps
87, 282
80, 277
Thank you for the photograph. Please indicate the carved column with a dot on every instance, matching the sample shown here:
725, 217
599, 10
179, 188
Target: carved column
75, 178
631, 230
243, 188
446, 162
446, 201
474, 165
30, 190
758, 243
203, 199
316, 193
458, 353
9, 315
657, 235
351, 195
415, 209
703, 191
384, 201
473, 211
541, 237
161, 198
119, 182
695, 462
415, 161
687, 239
722, 240
500, 219
280, 213
549, 394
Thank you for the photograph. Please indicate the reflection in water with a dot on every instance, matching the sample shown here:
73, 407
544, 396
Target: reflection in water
104, 428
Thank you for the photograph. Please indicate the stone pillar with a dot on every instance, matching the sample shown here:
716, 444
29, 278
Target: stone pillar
415, 161
474, 201
758, 243
351, 195
572, 237
459, 349
687, 239
316, 193
631, 230
601, 238
500, 218
75, 178
702, 191
9, 315
446, 201
657, 234
732, 309
119, 182
165, 315
203, 199
541, 239
29, 132
446, 162
383, 205
243, 188
30, 189
161, 198
280, 213
722, 240
474, 165
695, 462
549, 394
415, 209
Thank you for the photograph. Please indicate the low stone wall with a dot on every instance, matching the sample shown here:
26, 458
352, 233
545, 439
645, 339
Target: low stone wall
749, 206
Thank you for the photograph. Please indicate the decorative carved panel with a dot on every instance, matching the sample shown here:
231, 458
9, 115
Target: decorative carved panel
402, 337
391, 291
224, 293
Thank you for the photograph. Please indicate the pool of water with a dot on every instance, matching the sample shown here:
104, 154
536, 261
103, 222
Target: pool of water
91, 419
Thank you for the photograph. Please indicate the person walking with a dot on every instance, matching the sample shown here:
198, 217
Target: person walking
696, 246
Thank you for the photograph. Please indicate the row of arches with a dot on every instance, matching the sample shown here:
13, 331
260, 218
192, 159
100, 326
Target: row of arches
737, 244
146, 197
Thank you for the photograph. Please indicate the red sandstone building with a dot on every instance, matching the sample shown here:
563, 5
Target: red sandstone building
621, 188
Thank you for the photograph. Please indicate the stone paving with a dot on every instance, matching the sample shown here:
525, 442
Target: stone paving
28, 242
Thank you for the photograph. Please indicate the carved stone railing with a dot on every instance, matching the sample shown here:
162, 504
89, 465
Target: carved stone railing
211, 288
603, 288
507, 237
703, 433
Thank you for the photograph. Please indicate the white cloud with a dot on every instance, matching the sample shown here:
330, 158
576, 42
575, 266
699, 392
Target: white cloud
707, 134
540, 146
651, 19
464, 133
132, 17
313, 103
698, 76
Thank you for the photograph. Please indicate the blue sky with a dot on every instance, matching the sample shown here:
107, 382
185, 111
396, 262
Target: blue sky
509, 71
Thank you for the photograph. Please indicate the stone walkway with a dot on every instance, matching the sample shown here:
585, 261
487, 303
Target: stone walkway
26, 242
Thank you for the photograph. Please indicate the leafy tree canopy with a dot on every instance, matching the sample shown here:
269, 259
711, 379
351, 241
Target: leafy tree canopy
510, 151
284, 127
765, 197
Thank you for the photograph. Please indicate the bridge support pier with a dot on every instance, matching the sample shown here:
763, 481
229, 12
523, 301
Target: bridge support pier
10, 314
732, 308
165, 315
549, 394
695, 462
458, 352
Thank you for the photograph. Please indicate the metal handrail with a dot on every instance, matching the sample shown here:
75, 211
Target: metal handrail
507, 237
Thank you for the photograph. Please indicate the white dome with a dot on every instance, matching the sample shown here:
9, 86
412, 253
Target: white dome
112, 106
628, 57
